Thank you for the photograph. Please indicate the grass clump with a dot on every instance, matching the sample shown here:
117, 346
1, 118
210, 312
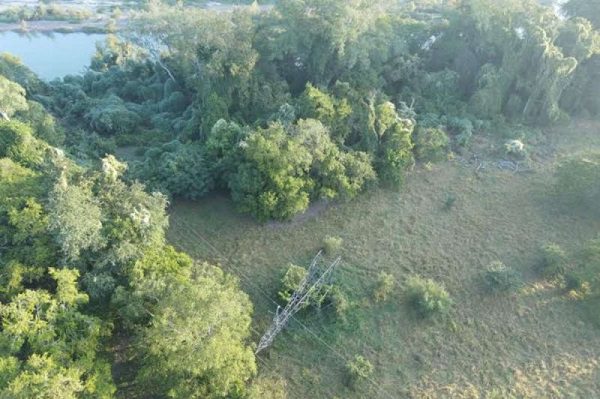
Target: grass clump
497, 277
340, 304
427, 297
332, 245
554, 261
384, 287
449, 201
358, 369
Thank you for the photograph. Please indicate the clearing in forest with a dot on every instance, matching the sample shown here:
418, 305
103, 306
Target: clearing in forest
534, 342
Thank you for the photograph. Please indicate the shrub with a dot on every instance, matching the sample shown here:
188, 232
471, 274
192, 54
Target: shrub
578, 180
577, 288
110, 116
332, 245
427, 297
267, 388
291, 281
515, 148
384, 287
461, 129
449, 201
431, 144
176, 169
272, 181
498, 277
359, 369
554, 261
340, 303
17, 142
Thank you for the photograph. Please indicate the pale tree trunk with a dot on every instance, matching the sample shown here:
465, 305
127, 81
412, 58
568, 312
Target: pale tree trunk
4, 116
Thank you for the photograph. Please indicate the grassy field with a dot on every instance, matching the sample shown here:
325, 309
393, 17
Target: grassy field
533, 343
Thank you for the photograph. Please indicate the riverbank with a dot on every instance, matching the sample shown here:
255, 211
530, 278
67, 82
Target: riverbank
99, 25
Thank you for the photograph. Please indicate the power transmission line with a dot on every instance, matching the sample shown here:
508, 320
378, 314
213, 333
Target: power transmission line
311, 286
377, 386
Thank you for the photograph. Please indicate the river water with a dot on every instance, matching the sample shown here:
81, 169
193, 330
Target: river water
52, 55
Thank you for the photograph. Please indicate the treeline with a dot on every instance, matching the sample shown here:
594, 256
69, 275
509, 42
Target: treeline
84, 261
319, 99
45, 12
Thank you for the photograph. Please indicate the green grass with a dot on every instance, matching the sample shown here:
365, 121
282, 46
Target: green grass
531, 343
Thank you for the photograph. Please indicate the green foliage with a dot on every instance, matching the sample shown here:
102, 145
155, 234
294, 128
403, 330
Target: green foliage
384, 287
431, 144
291, 281
497, 277
207, 322
359, 369
395, 148
110, 116
43, 124
272, 180
76, 219
60, 344
554, 261
13, 69
222, 150
293, 278
283, 168
112, 234
578, 180
17, 142
333, 173
332, 245
332, 112
12, 98
176, 169
427, 297
449, 201
267, 388
45, 12
461, 129
340, 302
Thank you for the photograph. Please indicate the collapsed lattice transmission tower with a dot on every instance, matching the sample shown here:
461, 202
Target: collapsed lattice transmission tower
316, 281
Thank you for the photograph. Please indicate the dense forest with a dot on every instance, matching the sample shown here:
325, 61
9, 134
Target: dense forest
311, 101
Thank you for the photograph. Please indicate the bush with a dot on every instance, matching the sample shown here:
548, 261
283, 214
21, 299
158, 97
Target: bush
110, 116
577, 288
384, 287
498, 277
461, 129
427, 297
359, 369
554, 261
17, 142
431, 144
332, 245
176, 169
578, 180
515, 148
340, 303
291, 281
449, 201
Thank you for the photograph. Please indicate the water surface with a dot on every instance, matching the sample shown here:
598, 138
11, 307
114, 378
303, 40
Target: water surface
52, 55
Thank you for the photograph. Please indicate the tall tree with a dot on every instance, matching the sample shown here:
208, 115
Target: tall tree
12, 98
205, 321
